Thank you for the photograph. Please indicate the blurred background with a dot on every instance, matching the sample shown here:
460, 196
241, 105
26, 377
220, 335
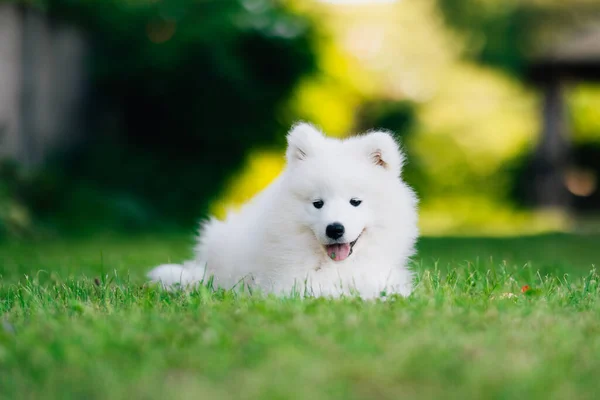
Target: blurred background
134, 116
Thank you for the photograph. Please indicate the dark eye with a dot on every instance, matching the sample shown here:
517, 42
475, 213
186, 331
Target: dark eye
355, 202
318, 204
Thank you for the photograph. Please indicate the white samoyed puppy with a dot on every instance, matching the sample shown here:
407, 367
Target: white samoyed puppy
338, 220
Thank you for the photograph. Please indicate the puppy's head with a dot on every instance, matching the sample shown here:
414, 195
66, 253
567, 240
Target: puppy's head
339, 185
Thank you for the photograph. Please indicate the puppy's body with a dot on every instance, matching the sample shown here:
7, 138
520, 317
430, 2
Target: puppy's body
338, 220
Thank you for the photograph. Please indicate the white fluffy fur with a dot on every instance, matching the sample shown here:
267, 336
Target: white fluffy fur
276, 241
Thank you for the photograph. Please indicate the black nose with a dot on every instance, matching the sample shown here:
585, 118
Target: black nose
335, 230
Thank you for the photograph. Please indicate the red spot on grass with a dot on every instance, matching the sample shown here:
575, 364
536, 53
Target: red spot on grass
525, 288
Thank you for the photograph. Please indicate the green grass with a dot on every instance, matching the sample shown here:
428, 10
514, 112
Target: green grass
77, 321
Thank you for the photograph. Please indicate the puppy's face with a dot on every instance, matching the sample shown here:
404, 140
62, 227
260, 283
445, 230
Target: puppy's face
337, 185
337, 221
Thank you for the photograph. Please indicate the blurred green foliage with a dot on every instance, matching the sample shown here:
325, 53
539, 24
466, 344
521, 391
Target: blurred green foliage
190, 100
467, 124
180, 91
495, 33
15, 219
508, 34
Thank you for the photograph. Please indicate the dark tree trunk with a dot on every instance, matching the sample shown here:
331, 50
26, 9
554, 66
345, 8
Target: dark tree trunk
552, 155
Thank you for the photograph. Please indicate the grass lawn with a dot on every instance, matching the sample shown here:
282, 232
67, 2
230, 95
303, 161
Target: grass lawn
77, 321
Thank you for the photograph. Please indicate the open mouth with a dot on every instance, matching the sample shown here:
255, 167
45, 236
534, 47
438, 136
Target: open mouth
340, 251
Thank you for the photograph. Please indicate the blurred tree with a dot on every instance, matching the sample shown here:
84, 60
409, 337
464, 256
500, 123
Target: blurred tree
181, 90
507, 33
397, 66
495, 32
550, 43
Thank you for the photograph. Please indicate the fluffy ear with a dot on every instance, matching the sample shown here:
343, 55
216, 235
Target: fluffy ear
303, 140
383, 151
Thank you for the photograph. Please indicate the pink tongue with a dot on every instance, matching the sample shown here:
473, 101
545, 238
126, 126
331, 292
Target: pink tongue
338, 252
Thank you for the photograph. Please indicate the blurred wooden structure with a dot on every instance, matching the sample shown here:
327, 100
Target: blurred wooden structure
574, 58
42, 82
